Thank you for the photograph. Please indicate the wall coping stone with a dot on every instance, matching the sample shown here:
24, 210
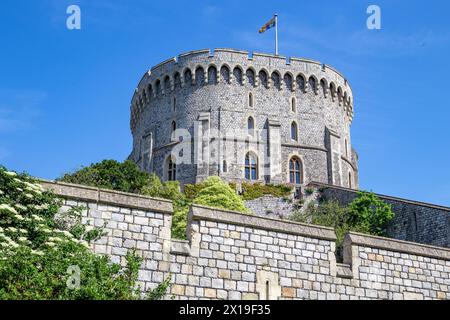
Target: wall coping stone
112, 197
381, 196
353, 238
286, 226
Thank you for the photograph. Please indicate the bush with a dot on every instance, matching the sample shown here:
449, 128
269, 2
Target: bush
370, 213
365, 214
257, 190
110, 174
38, 256
216, 193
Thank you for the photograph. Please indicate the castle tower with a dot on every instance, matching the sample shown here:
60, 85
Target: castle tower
259, 118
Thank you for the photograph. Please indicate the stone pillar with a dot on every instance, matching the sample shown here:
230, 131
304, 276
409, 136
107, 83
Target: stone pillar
333, 145
201, 145
274, 141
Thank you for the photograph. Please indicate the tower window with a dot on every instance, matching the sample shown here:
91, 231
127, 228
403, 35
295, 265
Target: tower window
293, 106
294, 131
250, 100
251, 126
174, 104
295, 171
346, 148
350, 180
171, 170
224, 166
251, 167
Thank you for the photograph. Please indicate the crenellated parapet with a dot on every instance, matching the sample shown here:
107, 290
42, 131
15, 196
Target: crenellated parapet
239, 68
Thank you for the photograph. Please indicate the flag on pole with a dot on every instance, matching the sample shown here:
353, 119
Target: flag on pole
270, 24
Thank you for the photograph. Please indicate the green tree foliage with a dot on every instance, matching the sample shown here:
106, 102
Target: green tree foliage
370, 213
365, 214
110, 174
217, 193
40, 255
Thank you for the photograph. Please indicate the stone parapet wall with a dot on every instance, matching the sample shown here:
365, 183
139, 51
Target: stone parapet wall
413, 221
229, 255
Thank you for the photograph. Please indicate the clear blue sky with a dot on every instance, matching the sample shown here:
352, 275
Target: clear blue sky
65, 95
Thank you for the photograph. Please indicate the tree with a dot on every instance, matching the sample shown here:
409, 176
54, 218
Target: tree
42, 257
110, 174
217, 193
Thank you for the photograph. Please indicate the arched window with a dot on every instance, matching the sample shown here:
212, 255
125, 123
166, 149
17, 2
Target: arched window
188, 77
251, 167
349, 179
250, 77
238, 75
167, 84
250, 100
199, 76
174, 126
225, 74
295, 171
212, 75
294, 131
174, 107
171, 170
224, 166
177, 80
276, 80
250, 126
158, 87
288, 81
312, 84
263, 78
346, 148
293, 105
300, 82
324, 87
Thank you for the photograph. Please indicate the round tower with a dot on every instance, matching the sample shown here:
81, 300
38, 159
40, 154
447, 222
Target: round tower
257, 118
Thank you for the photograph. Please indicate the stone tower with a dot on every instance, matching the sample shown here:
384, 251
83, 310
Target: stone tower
260, 117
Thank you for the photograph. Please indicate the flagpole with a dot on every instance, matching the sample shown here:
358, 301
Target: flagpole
276, 34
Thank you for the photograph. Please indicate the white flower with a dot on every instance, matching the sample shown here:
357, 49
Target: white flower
13, 244
47, 230
23, 231
17, 180
67, 234
37, 218
6, 207
12, 229
19, 206
10, 173
54, 239
1, 229
50, 244
22, 239
1, 192
19, 189
38, 253
89, 228
4, 244
29, 195
19, 217
84, 243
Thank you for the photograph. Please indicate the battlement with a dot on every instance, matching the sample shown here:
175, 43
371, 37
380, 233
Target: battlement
236, 67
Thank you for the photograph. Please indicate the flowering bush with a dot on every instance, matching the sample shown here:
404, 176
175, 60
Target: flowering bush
42, 257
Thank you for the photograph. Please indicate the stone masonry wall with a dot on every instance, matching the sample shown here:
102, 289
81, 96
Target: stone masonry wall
413, 221
235, 256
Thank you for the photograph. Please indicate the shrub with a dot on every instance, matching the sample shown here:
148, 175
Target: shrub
257, 190
110, 174
37, 253
365, 214
216, 193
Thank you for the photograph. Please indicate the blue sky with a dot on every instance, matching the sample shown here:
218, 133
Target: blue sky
65, 95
